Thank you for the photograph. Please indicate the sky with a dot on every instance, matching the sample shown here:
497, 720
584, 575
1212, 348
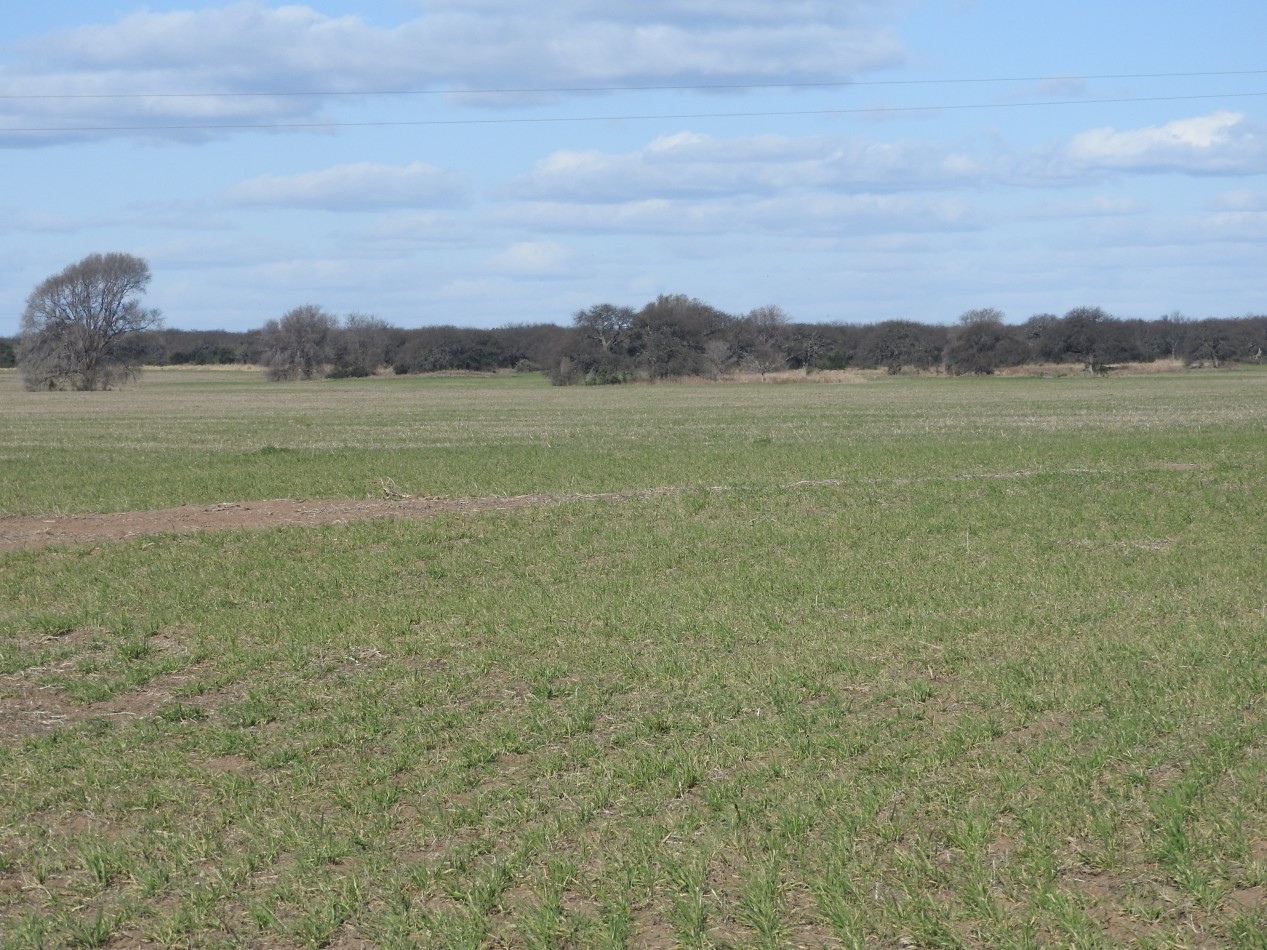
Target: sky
491, 162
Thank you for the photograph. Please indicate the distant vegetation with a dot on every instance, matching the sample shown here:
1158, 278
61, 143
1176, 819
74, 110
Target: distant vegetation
679, 336
673, 336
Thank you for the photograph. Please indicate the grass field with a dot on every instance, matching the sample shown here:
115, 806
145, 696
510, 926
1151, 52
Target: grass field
906, 662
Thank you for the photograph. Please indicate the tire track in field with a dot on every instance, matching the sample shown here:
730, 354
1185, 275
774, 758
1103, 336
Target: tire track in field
45, 530
35, 531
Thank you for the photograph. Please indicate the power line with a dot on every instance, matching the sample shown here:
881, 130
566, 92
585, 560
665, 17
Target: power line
266, 126
688, 87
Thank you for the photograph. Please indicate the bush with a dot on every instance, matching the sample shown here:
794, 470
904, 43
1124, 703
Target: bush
603, 376
348, 372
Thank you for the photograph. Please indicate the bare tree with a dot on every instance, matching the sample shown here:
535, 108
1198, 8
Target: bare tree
300, 345
769, 323
363, 343
894, 344
1171, 330
982, 343
608, 324
767, 331
765, 358
77, 324
719, 355
990, 316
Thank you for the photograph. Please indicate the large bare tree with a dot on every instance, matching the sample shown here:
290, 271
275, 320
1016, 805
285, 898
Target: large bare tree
77, 324
300, 345
362, 345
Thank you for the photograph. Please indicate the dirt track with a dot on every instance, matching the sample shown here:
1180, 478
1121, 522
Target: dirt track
41, 531
44, 530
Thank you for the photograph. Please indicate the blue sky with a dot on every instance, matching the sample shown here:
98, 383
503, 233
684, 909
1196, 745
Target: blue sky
962, 153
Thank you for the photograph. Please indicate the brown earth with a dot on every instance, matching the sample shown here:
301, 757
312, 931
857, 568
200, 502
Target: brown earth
44, 530
35, 531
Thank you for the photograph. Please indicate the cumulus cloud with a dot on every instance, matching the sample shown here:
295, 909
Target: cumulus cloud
231, 54
691, 164
1185, 232
784, 10
804, 213
364, 186
1221, 143
532, 259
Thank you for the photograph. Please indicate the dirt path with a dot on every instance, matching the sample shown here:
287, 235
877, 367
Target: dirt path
40, 531
43, 530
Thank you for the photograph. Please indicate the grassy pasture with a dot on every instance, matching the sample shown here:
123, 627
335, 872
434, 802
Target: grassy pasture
908, 662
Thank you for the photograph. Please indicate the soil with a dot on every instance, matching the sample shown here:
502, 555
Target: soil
45, 530
34, 531
29, 709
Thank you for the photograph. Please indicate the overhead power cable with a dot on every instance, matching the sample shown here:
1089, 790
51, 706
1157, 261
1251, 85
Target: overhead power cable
680, 87
532, 120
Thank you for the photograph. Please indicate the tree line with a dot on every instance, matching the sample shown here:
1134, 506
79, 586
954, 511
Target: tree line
677, 336
84, 328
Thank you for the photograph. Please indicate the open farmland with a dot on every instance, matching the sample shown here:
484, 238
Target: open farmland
899, 662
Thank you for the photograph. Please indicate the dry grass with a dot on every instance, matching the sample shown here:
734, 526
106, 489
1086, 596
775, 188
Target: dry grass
1077, 369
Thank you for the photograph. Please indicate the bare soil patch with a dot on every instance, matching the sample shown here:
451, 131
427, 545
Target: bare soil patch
28, 708
1031, 732
45, 530
1249, 898
34, 531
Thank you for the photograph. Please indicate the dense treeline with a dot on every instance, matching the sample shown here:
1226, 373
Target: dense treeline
85, 328
677, 336
682, 336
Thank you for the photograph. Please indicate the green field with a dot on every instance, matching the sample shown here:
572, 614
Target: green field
908, 662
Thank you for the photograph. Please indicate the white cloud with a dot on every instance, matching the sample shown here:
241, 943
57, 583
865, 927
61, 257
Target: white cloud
688, 10
689, 164
805, 213
203, 253
1242, 200
1097, 206
364, 186
1220, 143
413, 230
13, 220
1196, 233
233, 53
533, 259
